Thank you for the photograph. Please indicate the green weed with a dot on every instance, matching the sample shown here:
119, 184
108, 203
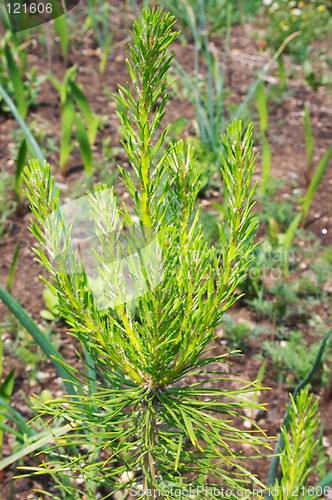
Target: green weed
77, 115
6, 390
262, 107
293, 358
312, 20
238, 333
298, 446
99, 19
62, 30
7, 203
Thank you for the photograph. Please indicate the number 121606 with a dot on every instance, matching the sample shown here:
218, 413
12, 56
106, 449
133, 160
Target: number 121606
29, 8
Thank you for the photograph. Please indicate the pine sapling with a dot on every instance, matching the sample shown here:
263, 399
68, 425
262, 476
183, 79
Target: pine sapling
153, 412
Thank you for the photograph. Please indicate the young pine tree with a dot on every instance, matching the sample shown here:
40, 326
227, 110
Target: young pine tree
153, 412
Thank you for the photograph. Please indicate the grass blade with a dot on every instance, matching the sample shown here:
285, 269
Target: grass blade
20, 164
36, 445
29, 137
266, 164
178, 453
282, 74
16, 417
314, 184
1, 351
39, 337
89, 116
262, 108
84, 145
13, 265
6, 390
320, 487
55, 82
7, 386
16, 80
290, 233
67, 122
61, 28
309, 140
105, 52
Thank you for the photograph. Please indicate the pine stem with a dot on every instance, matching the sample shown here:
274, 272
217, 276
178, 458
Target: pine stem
145, 165
149, 439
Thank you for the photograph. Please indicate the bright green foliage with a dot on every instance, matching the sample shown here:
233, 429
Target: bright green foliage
299, 447
138, 412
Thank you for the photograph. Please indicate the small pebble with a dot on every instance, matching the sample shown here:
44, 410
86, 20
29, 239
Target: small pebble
247, 424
